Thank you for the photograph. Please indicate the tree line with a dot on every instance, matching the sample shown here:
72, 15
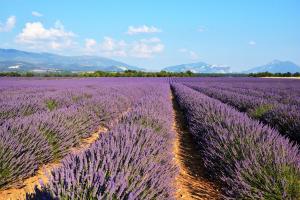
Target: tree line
127, 73
268, 74
134, 73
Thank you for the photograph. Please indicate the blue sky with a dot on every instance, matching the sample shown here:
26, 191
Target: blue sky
156, 33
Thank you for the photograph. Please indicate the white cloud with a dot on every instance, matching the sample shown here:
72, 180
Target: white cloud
108, 47
252, 43
111, 47
201, 29
35, 36
148, 49
192, 54
183, 50
142, 29
59, 25
36, 14
8, 25
150, 40
108, 44
144, 48
90, 44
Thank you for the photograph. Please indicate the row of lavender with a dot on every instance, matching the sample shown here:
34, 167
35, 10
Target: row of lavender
31, 140
285, 91
288, 89
251, 161
132, 161
38, 96
287, 96
282, 93
278, 109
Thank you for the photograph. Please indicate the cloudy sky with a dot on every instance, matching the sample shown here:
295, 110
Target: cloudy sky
157, 33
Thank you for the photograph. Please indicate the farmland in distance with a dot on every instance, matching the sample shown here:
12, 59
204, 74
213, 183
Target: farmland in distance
149, 138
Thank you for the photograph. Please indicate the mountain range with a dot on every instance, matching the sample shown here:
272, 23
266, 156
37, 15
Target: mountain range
15, 60
276, 66
199, 67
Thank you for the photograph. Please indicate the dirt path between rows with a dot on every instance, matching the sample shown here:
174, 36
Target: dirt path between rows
29, 184
190, 183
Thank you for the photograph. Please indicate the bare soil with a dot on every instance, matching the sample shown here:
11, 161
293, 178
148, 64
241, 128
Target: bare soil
191, 182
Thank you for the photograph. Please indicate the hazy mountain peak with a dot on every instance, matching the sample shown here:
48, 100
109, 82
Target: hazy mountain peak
276, 66
30, 61
274, 62
198, 67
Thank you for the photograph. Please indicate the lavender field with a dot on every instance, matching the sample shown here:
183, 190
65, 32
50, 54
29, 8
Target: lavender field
149, 138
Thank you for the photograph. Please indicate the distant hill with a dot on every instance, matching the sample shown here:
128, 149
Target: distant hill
15, 60
199, 67
276, 66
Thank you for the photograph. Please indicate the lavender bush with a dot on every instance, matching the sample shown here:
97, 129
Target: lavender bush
251, 161
47, 134
284, 117
132, 161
